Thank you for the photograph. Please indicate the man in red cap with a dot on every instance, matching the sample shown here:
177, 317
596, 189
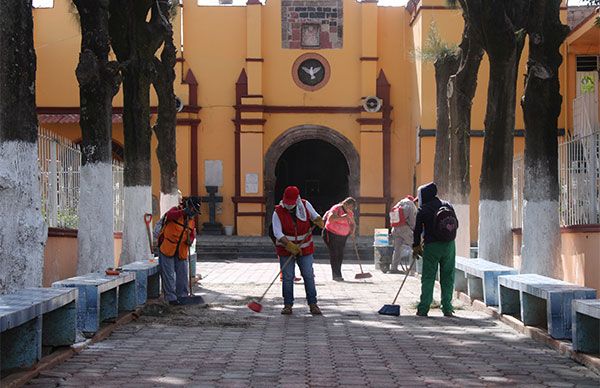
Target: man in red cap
291, 227
405, 214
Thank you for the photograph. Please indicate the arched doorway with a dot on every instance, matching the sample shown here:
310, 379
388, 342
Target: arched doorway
320, 161
317, 168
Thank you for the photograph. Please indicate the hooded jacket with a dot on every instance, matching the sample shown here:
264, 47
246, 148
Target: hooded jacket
429, 204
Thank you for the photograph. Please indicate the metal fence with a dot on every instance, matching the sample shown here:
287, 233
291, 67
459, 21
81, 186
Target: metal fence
579, 182
60, 166
579, 177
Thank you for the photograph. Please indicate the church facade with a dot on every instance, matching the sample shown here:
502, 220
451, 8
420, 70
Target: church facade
323, 94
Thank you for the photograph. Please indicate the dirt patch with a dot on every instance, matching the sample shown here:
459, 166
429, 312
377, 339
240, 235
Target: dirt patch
219, 315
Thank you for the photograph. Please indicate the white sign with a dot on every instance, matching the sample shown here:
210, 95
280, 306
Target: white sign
251, 183
213, 173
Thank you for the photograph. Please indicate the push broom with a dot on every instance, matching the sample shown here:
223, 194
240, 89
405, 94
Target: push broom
394, 309
255, 304
361, 275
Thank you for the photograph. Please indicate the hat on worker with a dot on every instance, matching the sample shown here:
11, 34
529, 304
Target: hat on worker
290, 195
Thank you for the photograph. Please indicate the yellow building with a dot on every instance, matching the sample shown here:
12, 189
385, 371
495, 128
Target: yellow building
274, 94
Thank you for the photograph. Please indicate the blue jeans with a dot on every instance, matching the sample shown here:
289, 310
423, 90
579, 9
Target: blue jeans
174, 273
306, 269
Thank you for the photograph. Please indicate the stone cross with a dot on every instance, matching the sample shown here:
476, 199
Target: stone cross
212, 226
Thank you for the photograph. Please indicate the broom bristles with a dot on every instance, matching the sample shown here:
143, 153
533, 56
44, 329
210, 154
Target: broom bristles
255, 306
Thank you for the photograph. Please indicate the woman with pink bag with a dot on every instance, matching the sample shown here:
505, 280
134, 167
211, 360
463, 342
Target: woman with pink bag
338, 226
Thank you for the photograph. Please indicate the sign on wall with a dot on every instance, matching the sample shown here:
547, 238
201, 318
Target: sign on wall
251, 183
213, 173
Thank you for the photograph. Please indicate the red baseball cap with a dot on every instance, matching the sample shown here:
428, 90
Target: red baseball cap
290, 195
411, 198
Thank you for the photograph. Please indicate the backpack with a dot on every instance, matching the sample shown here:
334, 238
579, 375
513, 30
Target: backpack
445, 224
397, 217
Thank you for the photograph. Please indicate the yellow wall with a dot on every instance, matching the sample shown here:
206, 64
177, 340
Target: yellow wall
217, 40
579, 256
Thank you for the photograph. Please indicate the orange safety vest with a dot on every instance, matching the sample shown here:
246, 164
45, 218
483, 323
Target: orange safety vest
176, 237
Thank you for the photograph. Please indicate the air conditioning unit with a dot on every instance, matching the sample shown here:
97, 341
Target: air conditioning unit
372, 104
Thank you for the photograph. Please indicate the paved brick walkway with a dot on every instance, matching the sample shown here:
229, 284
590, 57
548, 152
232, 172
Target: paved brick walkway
227, 345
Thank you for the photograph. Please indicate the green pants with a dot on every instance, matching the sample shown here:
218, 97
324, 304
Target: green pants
442, 253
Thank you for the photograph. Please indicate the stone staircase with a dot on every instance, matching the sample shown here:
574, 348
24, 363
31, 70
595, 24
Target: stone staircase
239, 247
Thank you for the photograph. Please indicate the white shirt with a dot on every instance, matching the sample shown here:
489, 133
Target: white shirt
277, 230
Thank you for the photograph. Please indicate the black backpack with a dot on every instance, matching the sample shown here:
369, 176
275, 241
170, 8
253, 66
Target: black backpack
445, 224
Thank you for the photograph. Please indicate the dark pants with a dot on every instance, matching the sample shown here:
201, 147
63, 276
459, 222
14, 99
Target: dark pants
336, 244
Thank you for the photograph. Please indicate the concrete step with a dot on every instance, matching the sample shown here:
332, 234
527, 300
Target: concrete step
237, 247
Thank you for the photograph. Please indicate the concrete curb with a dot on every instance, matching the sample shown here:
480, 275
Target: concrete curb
19, 379
562, 346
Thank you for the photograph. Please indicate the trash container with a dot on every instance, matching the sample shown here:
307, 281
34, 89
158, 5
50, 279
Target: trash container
382, 250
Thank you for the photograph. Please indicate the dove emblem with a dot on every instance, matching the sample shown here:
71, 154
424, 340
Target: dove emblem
311, 71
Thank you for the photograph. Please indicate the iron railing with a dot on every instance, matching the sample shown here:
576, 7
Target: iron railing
60, 166
579, 182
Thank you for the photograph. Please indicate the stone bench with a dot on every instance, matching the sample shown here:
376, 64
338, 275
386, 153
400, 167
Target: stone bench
586, 325
478, 278
32, 318
146, 279
101, 297
541, 301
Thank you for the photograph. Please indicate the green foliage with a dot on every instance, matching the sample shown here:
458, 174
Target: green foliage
434, 47
67, 218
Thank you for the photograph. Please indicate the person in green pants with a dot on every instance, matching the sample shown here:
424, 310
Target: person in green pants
438, 223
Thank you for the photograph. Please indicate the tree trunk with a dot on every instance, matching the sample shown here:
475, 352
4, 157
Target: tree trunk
501, 23
98, 82
22, 229
461, 91
445, 66
166, 122
135, 39
134, 42
541, 107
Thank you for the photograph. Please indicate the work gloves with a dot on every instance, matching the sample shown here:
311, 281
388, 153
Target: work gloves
418, 250
319, 222
292, 248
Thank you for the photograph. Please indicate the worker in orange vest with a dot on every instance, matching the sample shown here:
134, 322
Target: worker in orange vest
177, 235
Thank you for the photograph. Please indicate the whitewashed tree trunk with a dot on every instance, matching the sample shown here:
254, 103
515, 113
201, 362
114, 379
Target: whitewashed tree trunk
541, 251
463, 235
22, 229
138, 201
99, 81
95, 231
23, 232
495, 231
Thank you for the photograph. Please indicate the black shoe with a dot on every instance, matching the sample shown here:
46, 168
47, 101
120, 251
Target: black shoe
449, 314
338, 279
421, 314
175, 302
394, 271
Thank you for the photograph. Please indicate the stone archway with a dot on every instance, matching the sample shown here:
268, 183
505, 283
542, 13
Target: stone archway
308, 132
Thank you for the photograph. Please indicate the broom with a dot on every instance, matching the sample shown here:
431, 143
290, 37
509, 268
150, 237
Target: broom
255, 304
394, 309
361, 275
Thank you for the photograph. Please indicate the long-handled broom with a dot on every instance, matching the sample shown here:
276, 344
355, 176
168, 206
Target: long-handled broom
255, 304
394, 309
361, 275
